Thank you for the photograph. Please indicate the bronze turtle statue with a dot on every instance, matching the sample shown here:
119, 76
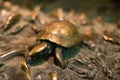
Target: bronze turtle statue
58, 33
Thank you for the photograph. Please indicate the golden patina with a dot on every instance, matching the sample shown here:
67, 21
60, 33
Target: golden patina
60, 32
57, 35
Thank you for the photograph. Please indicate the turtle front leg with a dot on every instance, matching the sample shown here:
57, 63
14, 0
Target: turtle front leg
38, 48
59, 58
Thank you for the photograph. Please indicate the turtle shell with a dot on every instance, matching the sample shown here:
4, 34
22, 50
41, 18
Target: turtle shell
61, 32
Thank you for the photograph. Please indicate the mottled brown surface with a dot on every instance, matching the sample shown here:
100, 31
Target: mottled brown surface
97, 58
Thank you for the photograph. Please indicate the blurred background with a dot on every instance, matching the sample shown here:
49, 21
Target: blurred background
109, 9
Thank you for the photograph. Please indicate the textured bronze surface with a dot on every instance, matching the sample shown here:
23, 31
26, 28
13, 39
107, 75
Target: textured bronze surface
61, 32
97, 57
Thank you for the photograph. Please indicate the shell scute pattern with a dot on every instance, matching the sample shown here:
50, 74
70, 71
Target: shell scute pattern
61, 32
